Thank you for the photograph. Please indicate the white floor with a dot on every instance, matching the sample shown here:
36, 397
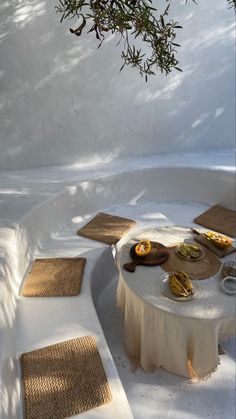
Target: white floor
159, 395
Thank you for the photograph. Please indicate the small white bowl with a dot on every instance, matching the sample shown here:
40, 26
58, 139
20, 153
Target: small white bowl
228, 285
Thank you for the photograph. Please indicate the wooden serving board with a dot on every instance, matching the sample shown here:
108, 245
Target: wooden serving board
221, 253
158, 255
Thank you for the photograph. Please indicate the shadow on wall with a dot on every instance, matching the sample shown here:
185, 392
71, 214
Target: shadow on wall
63, 100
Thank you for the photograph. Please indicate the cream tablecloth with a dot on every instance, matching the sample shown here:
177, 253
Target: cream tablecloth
181, 337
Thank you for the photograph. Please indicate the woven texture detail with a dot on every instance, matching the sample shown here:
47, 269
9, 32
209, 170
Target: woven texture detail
220, 219
106, 228
204, 268
54, 277
63, 380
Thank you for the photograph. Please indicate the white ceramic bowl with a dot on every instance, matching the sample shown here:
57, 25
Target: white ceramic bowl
228, 284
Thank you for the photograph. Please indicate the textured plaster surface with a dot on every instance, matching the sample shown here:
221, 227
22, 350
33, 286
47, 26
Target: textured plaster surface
62, 101
20, 191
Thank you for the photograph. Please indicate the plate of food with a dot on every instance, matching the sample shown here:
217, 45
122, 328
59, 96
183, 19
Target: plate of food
177, 286
219, 240
190, 251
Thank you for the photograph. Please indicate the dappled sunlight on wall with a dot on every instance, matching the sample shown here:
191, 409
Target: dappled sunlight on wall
28, 11
96, 160
62, 101
167, 92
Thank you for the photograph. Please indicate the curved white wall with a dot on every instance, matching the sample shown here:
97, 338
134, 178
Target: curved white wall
62, 101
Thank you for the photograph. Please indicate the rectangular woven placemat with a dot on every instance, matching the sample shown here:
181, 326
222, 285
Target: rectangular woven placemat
106, 228
63, 380
54, 277
220, 219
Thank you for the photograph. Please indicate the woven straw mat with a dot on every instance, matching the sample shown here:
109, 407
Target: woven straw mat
220, 219
54, 277
106, 228
63, 380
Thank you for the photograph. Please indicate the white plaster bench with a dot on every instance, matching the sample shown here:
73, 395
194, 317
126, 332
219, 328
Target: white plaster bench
30, 323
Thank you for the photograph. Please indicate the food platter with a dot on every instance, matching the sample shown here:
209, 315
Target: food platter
219, 240
158, 255
165, 290
190, 251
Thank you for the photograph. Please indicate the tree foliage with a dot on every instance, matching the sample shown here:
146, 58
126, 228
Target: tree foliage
232, 3
135, 23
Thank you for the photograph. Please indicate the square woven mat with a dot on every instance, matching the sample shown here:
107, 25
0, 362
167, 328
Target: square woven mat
106, 228
220, 219
56, 277
63, 380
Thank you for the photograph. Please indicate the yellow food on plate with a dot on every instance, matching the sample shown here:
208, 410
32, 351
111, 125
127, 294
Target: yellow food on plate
218, 240
143, 248
180, 284
189, 251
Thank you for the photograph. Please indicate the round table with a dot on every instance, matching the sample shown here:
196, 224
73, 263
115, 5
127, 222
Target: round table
181, 337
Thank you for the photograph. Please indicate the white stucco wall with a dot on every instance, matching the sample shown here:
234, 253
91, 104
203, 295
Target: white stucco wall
62, 101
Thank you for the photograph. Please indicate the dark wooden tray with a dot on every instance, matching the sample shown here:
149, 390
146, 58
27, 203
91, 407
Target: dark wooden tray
158, 255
